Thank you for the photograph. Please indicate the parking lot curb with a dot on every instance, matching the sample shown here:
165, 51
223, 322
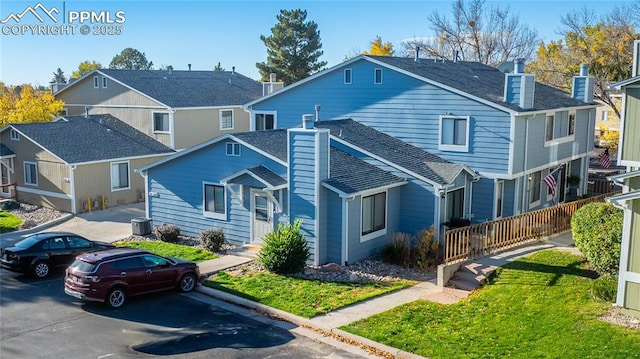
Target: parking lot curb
370, 346
43, 226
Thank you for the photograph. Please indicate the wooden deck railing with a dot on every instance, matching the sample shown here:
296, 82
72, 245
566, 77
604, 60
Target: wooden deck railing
481, 239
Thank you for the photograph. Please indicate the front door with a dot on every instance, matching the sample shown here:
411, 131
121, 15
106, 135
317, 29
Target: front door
262, 213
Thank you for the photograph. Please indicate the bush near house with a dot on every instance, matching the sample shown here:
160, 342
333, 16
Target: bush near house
167, 233
212, 239
285, 250
421, 251
597, 232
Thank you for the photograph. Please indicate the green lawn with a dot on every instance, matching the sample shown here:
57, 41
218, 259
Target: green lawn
305, 298
536, 307
9, 222
171, 250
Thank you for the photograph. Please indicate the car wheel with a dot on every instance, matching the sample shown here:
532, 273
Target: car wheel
40, 269
116, 298
187, 282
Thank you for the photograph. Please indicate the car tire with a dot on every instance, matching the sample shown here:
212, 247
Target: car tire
40, 269
116, 298
188, 282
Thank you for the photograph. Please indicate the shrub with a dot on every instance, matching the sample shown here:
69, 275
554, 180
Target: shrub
9, 205
605, 288
285, 250
398, 250
212, 239
427, 251
597, 232
167, 233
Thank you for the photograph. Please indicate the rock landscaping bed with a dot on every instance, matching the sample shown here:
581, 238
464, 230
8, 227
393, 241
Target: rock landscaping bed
35, 215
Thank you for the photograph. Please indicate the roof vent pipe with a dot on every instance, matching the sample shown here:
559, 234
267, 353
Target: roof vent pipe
272, 77
233, 70
189, 65
317, 108
417, 58
86, 112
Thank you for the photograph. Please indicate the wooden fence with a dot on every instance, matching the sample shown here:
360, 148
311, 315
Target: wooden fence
481, 239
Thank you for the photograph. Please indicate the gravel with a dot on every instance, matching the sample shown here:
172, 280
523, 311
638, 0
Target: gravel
35, 215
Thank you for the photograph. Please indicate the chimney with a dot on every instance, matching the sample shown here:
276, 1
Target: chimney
519, 87
636, 58
189, 65
272, 77
307, 122
582, 87
56, 86
417, 58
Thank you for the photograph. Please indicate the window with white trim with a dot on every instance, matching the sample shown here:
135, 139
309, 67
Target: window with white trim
549, 127
104, 82
30, 173
96, 82
374, 214
572, 124
454, 133
455, 203
226, 119
347, 76
119, 176
233, 149
264, 121
499, 198
214, 201
377, 76
15, 135
535, 181
161, 122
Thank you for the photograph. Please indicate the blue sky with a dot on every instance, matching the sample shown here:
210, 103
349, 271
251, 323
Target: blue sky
203, 33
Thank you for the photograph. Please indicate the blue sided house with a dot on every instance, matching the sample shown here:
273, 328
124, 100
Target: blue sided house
350, 185
510, 130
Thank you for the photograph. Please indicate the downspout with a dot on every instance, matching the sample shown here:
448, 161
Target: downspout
147, 207
525, 178
172, 138
72, 183
249, 110
346, 230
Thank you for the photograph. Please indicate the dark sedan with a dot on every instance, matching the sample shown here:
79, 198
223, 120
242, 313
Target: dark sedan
39, 253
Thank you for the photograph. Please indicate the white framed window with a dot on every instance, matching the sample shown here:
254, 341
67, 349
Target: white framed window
454, 133
214, 198
65, 112
15, 135
549, 124
119, 176
30, 173
233, 149
161, 122
499, 198
571, 128
535, 182
96, 82
226, 119
104, 82
347, 76
264, 121
377, 76
455, 203
374, 216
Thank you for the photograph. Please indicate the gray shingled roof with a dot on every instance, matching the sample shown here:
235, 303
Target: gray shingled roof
190, 88
347, 173
96, 138
423, 163
5, 151
479, 80
266, 175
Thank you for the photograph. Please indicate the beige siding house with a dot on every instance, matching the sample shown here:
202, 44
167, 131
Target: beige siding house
628, 296
76, 163
177, 108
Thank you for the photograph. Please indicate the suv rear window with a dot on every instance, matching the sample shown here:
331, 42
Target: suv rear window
82, 266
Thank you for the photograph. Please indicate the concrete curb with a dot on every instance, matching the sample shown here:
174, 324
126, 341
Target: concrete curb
45, 225
345, 337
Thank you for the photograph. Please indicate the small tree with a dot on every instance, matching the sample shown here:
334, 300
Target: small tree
597, 232
84, 68
285, 250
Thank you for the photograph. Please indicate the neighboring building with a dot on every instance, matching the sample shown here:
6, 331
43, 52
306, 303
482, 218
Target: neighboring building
506, 127
177, 108
629, 155
350, 185
65, 163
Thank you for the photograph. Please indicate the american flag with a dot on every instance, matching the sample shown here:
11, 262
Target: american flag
603, 159
551, 180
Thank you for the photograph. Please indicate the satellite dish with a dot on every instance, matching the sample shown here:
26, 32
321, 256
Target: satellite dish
506, 67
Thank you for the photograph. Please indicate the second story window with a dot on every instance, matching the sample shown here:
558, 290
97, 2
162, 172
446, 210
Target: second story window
226, 119
15, 136
233, 149
347, 76
160, 122
104, 82
377, 76
572, 124
454, 134
96, 82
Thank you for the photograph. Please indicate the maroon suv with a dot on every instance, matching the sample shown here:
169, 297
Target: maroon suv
111, 275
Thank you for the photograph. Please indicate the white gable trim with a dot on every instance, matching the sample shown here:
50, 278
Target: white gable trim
35, 143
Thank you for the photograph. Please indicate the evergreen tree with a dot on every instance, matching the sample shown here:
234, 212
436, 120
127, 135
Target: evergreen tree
293, 49
131, 59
